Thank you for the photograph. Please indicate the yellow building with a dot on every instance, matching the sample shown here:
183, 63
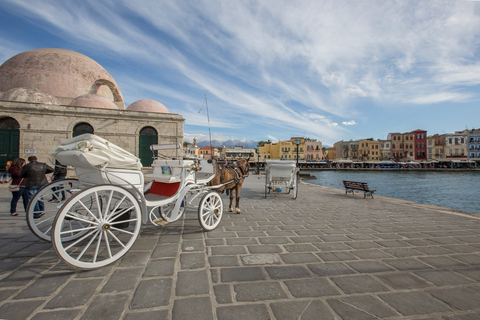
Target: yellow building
369, 150
282, 150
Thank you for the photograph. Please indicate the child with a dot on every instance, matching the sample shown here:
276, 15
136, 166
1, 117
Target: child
5, 177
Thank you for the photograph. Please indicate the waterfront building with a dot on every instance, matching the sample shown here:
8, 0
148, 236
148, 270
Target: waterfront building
191, 150
398, 148
436, 147
237, 153
456, 145
339, 151
369, 149
419, 144
473, 144
313, 150
386, 149
49, 95
209, 152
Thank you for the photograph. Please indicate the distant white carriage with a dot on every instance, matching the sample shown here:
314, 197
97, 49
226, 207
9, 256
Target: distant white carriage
95, 220
281, 176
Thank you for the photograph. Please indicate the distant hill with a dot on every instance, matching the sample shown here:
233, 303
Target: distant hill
247, 144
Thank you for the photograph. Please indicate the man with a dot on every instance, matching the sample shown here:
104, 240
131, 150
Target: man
34, 174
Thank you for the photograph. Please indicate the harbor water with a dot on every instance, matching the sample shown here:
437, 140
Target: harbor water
458, 190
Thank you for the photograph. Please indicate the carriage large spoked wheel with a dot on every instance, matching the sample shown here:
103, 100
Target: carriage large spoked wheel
108, 218
46, 203
210, 210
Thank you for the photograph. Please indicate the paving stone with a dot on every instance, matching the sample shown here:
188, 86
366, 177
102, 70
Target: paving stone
458, 298
123, 280
336, 256
242, 274
148, 315
443, 277
44, 286
260, 259
288, 272
274, 240
265, 249
75, 293
222, 293
57, 314
258, 291
19, 310
369, 266
359, 284
310, 309
314, 287
242, 312
192, 283
407, 264
414, 303
223, 261
165, 250
300, 248
297, 258
371, 254
361, 307
22, 276
329, 269
192, 261
135, 259
228, 250
106, 307
152, 293
442, 262
192, 308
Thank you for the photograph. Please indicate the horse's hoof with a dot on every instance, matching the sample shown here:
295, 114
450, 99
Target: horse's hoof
230, 209
238, 211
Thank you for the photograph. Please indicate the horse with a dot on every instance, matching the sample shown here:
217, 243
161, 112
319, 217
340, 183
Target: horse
231, 177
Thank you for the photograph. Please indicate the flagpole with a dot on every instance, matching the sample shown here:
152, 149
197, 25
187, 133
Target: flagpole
209, 131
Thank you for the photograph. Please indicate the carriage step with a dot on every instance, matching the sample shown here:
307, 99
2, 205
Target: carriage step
160, 222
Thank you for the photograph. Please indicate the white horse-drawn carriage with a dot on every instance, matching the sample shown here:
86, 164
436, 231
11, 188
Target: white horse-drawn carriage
281, 176
95, 220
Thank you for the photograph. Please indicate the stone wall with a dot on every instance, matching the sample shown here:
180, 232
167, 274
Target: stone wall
42, 127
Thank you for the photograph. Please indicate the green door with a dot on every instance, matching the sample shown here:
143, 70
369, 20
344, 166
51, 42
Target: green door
148, 136
9, 141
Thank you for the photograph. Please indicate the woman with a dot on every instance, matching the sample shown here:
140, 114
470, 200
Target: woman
14, 171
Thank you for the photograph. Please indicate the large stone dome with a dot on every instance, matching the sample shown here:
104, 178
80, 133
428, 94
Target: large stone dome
148, 105
93, 101
60, 73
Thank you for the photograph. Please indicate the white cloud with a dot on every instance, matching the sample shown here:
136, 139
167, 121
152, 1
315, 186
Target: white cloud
349, 123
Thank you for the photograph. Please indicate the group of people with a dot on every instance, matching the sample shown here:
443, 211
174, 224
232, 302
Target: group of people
30, 177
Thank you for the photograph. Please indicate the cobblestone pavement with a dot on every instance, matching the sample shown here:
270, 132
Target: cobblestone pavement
325, 255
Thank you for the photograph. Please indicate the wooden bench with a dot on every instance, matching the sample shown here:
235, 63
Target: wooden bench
350, 186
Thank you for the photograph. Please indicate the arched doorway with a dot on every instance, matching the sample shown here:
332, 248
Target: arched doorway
148, 136
82, 128
10, 137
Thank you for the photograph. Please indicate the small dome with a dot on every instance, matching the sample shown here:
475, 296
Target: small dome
29, 95
93, 101
147, 105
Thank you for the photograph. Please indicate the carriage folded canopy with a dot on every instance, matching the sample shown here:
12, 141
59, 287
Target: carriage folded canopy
89, 150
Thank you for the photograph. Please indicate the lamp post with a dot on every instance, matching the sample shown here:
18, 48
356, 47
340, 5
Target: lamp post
297, 142
257, 171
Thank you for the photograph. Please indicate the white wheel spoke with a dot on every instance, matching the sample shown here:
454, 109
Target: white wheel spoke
115, 237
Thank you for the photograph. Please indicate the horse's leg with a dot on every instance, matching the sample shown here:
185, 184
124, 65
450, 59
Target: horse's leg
237, 199
230, 208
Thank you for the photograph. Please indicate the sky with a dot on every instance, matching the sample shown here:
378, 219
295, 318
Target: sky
329, 70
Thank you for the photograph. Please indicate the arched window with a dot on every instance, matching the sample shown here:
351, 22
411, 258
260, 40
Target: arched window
148, 136
82, 128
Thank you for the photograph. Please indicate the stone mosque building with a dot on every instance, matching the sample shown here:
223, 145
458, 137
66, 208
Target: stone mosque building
49, 95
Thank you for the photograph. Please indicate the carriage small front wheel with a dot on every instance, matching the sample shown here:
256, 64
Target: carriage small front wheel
210, 210
109, 219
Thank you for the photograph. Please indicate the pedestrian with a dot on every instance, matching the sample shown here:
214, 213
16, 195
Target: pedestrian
5, 176
59, 173
34, 174
14, 171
